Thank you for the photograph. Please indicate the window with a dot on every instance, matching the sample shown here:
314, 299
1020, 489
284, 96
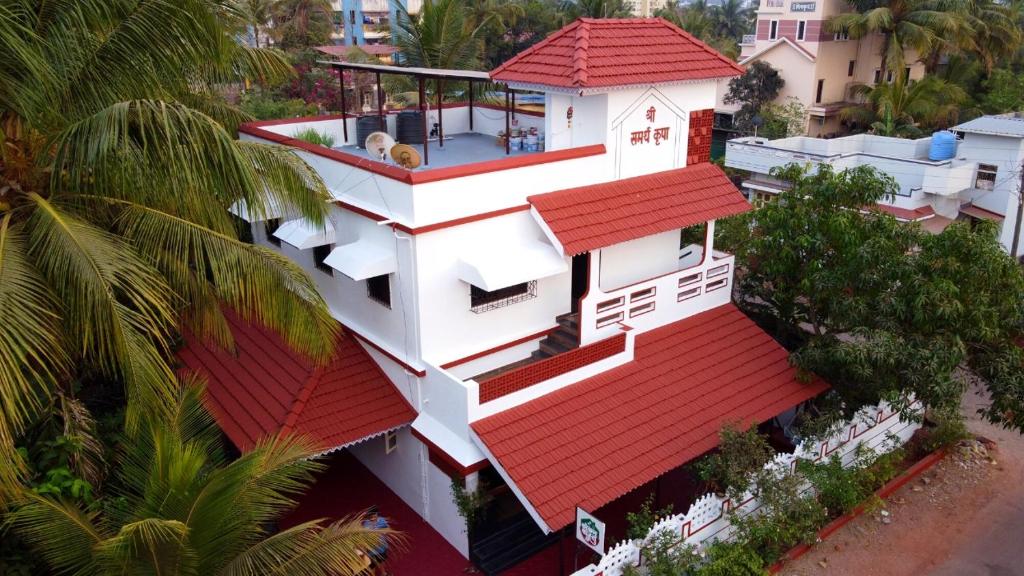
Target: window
849, 69
773, 30
801, 30
821, 88
906, 74
378, 289
352, 17
320, 253
481, 300
889, 76
878, 76
243, 229
271, 226
841, 35
986, 178
390, 441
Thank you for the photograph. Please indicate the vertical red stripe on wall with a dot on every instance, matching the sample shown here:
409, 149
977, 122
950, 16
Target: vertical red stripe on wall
698, 148
763, 29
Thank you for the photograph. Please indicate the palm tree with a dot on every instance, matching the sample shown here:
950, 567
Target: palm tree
439, 36
256, 14
595, 9
732, 19
901, 107
903, 24
182, 510
117, 166
302, 23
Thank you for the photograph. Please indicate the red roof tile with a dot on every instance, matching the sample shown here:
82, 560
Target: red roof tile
596, 53
596, 440
266, 388
601, 215
913, 215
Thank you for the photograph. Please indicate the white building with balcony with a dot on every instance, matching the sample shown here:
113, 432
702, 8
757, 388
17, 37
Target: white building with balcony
553, 324
979, 180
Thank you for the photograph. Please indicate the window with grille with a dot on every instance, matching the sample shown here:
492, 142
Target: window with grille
481, 300
773, 30
801, 30
320, 253
986, 178
271, 226
841, 35
378, 289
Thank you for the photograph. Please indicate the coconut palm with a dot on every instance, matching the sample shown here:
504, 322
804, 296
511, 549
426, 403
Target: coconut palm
181, 509
302, 23
117, 167
573, 9
256, 15
903, 24
732, 19
901, 107
439, 36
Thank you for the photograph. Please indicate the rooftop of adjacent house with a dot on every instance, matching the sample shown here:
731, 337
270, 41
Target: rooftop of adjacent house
265, 388
602, 53
1010, 124
865, 144
591, 442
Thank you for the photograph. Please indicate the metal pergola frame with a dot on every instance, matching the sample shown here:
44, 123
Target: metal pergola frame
422, 75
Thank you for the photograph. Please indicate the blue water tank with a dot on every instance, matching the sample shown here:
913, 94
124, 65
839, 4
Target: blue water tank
943, 146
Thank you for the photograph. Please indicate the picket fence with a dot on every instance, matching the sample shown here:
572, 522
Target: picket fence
879, 428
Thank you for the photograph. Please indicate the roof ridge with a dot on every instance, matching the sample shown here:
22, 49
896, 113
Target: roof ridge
539, 45
301, 398
579, 53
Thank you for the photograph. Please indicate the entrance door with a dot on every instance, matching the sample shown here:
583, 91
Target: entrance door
580, 279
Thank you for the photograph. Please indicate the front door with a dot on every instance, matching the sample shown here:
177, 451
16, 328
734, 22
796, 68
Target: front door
580, 278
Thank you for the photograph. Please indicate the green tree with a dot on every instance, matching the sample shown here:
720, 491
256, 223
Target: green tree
573, 9
759, 85
183, 510
732, 19
302, 23
903, 24
783, 120
117, 166
538, 19
902, 108
441, 35
256, 16
1003, 92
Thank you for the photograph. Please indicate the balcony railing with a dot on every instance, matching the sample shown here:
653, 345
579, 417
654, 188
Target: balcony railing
775, 3
748, 39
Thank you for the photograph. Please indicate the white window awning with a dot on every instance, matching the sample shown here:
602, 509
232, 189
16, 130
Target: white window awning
510, 265
303, 234
241, 209
363, 259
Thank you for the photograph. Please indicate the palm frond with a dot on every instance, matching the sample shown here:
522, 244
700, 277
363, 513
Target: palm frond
62, 534
147, 546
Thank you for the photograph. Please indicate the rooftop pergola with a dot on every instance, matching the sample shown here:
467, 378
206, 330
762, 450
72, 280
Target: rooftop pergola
422, 75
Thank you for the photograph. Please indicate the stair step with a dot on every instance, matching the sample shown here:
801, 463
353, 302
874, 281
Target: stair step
567, 339
552, 348
570, 322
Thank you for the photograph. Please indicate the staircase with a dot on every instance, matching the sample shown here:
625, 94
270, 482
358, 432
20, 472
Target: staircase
519, 539
566, 337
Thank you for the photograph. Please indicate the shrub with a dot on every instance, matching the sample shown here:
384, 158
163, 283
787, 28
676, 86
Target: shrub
739, 457
641, 521
838, 489
786, 517
664, 555
949, 429
262, 106
731, 559
312, 136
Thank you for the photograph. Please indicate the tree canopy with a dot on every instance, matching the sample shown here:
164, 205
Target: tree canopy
759, 85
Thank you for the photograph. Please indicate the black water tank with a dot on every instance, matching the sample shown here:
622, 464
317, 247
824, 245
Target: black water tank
366, 125
410, 127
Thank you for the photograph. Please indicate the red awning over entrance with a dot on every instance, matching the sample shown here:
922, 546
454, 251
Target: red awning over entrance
593, 441
268, 388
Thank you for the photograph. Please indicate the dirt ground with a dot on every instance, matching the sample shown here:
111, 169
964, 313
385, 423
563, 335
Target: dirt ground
962, 517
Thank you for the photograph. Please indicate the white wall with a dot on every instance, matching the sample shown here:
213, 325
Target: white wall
640, 259
400, 469
443, 514
587, 126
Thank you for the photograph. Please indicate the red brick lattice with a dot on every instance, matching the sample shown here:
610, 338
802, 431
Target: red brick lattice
698, 148
531, 374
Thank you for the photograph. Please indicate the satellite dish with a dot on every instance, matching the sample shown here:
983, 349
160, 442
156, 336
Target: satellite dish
406, 156
378, 144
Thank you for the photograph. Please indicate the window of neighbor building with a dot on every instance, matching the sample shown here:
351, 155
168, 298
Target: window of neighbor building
986, 178
889, 76
378, 289
801, 30
906, 74
821, 88
243, 229
878, 76
849, 68
390, 441
271, 226
481, 300
319, 254
773, 30
841, 35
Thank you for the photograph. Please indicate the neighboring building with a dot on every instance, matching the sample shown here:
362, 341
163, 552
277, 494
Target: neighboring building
644, 8
979, 180
818, 67
555, 325
360, 22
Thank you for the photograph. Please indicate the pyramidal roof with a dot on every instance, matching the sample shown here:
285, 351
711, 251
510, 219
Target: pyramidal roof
609, 52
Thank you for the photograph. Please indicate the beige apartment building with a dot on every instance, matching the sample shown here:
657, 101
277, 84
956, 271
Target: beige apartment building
819, 67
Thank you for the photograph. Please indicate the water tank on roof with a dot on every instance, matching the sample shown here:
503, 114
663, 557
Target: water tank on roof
366, 125
409, 127
943, 146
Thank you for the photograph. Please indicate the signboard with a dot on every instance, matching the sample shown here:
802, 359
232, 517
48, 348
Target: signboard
590, 530
803, 6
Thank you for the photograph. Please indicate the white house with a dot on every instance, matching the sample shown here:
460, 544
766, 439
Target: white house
980, 179
557, 320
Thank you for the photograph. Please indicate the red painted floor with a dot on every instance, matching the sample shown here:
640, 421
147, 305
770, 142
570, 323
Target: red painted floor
347, 487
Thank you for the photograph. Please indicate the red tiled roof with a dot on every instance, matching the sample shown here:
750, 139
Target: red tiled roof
596, 440
601, 215
912, 215
596, 53
266, 388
